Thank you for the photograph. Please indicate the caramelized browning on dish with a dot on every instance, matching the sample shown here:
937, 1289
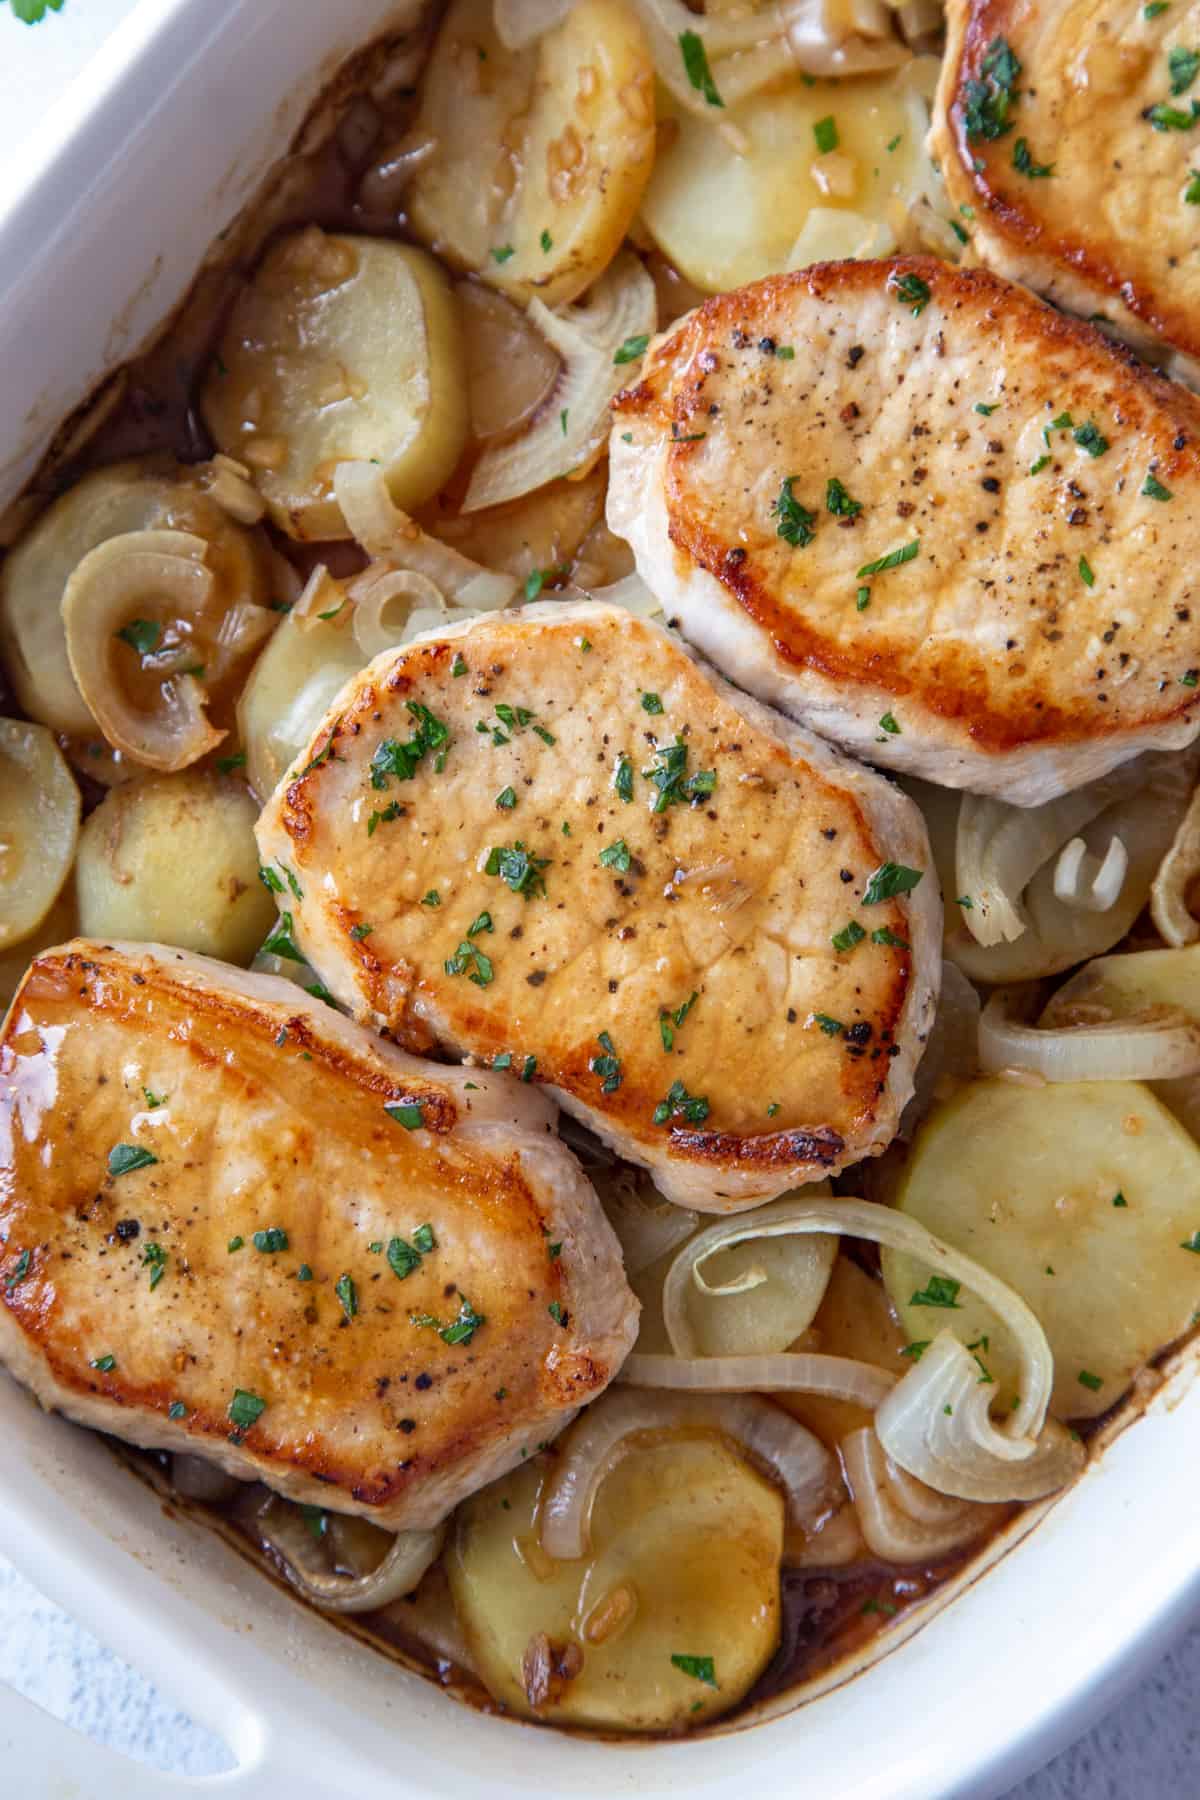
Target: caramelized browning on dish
217, 1237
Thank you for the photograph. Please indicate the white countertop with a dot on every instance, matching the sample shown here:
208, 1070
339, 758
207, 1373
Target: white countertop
1147, 1748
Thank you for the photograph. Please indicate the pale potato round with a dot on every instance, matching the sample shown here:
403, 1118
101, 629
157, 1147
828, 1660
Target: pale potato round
341, 349
686, 1547
1026, 1180
289, 691
39, 827
151, 494
173, 861
542, 154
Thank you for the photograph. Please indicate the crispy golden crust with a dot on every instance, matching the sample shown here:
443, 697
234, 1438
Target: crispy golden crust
260, 1113
1109, 230
940, 426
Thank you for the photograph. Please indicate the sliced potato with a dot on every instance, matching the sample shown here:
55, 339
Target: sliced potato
39, 827
173, 860
1083, 1196
510, 366
151, 494
855, 1319
542, 154
686, 1547
730, 197
341, 349
541, 532
289, 690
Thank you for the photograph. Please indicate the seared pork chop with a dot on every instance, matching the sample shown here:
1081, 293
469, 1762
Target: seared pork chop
950, 529
233, 1223
551, 839
1067, 135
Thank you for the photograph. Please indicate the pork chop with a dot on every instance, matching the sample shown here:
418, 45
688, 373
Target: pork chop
234, 1223
1067, 133
927, 516
551, 839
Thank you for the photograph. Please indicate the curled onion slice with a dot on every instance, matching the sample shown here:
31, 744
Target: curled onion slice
1089, 882
1177, 872
1154, 1049
384, 531
569, 428
607, 1432
1000, 848
123, 580
795, 1372
901, 1519
288, 1531
794, 1286
936, 1424
413, 602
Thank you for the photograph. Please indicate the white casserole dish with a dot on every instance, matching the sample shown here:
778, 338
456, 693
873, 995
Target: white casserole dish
122, 191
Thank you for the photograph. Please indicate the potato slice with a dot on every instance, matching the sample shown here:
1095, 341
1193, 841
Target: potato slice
173, 860
289, 691
39, 827
730, 197
542, 154
856, 1320
1084, 1197
541, 532
341, 349
151, 494
686, 1547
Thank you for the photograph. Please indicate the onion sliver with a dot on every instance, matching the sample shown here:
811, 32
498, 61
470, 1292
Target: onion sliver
1178, 870
777, 1318
1115, 1050
902, 1520
630, 592
426, 609
117, 583
198, 1479
647, 1225
1091, 883
936, 1425
603, 1435
570, 427
384, 531
283, 1528
787, 1372
520, 23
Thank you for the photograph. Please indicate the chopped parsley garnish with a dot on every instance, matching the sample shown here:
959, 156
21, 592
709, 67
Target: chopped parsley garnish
981, 406
503, 253
888, 937
481, 922
623, 779
407, 1113
695, 64
1192, 1243
424, 1240
227, 764
772, 1109
785, 353
235, 1243
558, 1312
534, 582
347, 1293
831, 1027
1191, 192
616, 856
123, 1159
271, 1241
669, 1022
608, 1066
103, 1363
890, 879
402, 1258
461, 1331
503, 1060
154, 1258
1086, 572
1183, 65
651, 704
888, 724
468, 959
177, 1410
917, 1348
825, 132
862, 599
1189, 678
1120, 1200
282, 940
142, 635
547, 243
912, 291
361, 932
632, 348
838, 501
1035, 468
304, 1273
1089, 437
562, 419
700, 1668
940, 1291
540, 731
458, 667
894, 559
431, 898
385, 817
884, 1607
506, 799
270, 880
517, 869
1154, 8
670, 777
679, 1104
20, 1270
795, 521
988, 102
962, 237
1023, 163
393, 758
1088, 1380
1172, 118
1153, 488
851, 933
153, 1100
245, 1408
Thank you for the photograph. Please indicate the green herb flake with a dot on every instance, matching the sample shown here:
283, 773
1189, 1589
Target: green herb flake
894, 559
911, 291
458, 667
400, 761
517, 869
407, 1113
940, 1290
1088, 1380
503, 253
534, 583
981, 406
271, 1241
235, 1244
123, 1159
304, 1273
695, 64
506, 799
1183, 66
825, 132
142, 635
888, 724
632, 348
558, 1312
1154, 9
785, 353
1035, 468
360, 932
839, 502
772, 1109
1153, 488
674, 786
104, 1363
851, 933
245, 1408
831, 1027
651, 704
679, 1104
1089, 437
1086, 573
700, 1668
616, 856
889, 938
227, 764
547, 243
863, 599
431, 898
347, 1293
177, 1410
1023, 163
1172, 118
988, 102
795, 521
1189, 678
623, 779
889, 880
1120, 1200
1192, 1243
480, 923
916, 1350
608, 1066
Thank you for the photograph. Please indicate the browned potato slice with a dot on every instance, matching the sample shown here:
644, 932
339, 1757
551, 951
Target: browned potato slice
39, 827
341, 349
542, 154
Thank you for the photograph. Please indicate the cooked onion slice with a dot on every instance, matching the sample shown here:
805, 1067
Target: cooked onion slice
412, 602
630, 592
1153, 1049
1089, 882
1001, 848
384, 531
320, 600
902, 1520
936, 1425
603, 1435
1176, 874
569, 429
229, 484
136, 577
39, 827
790, 1287
198, 1479
520, 23
795, 1372
647, 1225
295, 1535
951, 1050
